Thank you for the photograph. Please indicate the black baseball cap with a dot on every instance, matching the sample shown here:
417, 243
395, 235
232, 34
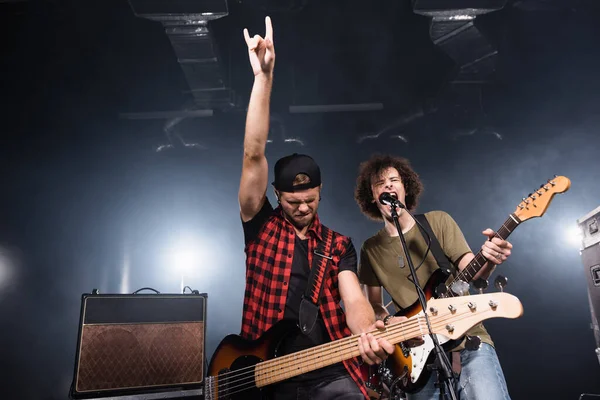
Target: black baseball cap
288, 167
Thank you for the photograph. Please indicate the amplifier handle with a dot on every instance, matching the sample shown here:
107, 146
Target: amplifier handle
146, 288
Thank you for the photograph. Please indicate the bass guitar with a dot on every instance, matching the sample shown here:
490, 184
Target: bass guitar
408, 364
243, 369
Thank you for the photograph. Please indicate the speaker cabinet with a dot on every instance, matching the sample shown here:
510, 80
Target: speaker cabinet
589, 225
131, 344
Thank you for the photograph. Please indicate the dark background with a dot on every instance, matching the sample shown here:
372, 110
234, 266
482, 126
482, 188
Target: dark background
88, 202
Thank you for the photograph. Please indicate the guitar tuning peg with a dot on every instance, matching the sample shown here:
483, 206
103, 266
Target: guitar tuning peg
472, 342
480, 284
500, 282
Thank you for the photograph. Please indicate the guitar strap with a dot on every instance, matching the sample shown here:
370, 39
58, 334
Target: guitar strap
309, 305
445, 264
440, 257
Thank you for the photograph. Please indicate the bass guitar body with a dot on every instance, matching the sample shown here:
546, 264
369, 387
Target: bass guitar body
234, 360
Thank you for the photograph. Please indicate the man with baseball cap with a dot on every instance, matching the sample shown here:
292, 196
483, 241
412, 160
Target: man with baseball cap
298, 269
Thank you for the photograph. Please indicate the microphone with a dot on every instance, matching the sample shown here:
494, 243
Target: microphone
387, 199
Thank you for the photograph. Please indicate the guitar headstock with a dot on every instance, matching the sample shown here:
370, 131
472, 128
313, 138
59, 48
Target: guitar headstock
454, 316
536, 204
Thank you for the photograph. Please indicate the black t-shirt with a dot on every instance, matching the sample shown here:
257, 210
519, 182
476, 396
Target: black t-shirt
298, 281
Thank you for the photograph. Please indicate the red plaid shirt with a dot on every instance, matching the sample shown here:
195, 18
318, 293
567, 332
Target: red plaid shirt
268, 268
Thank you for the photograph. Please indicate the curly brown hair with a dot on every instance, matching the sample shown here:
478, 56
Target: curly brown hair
373, 168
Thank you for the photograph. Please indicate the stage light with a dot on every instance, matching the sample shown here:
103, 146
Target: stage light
573, 236
184, 258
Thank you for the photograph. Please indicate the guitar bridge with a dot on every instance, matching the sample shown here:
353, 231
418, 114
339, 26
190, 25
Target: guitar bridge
209, 388
217, 387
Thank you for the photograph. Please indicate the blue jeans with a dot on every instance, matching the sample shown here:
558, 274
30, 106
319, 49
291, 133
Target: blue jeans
481, 377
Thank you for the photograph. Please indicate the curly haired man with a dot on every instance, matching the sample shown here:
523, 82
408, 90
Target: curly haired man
382, 265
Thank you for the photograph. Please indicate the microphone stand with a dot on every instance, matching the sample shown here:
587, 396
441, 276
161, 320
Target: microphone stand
445, 377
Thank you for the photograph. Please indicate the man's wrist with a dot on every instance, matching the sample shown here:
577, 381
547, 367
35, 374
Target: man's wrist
264, 77
387, 318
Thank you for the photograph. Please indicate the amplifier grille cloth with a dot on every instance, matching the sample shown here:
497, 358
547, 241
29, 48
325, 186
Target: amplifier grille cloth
133, 355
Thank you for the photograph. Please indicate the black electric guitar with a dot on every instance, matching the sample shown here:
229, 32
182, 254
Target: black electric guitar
410, 364
242, 369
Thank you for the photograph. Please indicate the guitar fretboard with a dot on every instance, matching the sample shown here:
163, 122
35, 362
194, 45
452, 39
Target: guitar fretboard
479, 260
282, 368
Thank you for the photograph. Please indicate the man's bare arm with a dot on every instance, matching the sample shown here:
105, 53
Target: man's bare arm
255, 170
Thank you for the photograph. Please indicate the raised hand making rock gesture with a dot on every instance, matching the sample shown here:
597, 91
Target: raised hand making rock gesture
261, 51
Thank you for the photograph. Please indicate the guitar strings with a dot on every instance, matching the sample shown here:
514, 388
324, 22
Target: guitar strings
285, 361
249, 380
397, 332
305, 352
246, 380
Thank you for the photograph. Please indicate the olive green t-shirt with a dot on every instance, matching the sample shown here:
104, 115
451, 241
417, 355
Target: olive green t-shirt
382, 262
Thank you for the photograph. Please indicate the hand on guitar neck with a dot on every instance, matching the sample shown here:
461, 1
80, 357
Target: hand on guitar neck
496, 250
374, 350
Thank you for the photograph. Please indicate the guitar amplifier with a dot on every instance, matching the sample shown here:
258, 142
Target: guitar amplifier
139, 343
589, 225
